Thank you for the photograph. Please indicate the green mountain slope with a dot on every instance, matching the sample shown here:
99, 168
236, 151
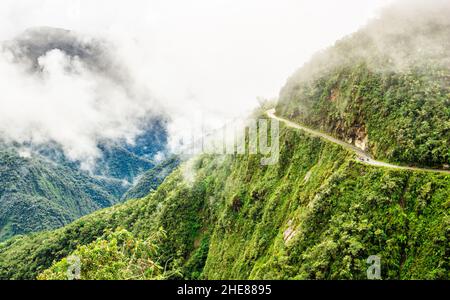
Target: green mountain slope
150, 180
118, 163
49, 190
36, 194
126, 162
317, 214
385, 88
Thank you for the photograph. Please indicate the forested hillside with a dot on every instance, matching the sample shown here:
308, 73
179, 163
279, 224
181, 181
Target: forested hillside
123, 161
150, 180
385, 88
317, 214
41, 186
36, 194
41, 189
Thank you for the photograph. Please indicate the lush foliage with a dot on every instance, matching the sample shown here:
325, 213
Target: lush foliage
387, 86
317, 214
38, 195
116, 256
150, 180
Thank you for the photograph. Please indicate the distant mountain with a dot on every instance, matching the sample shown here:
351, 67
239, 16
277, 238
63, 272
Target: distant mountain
385, 88
37, 194
150, 180
43, 189
123, 161
319, 213
34, 43
119, 160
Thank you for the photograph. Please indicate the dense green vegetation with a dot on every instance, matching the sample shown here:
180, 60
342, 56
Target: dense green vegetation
44, 190
38, 195
386, 87
150, 180
118, 163
116, 256
317, 214
123, 161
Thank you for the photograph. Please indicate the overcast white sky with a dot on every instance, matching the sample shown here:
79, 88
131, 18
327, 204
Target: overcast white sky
205, 58
214, 51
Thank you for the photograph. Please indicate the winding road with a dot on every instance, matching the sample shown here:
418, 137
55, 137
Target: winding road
363, 157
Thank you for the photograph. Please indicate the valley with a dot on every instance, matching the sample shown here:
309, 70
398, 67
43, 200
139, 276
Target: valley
359, 189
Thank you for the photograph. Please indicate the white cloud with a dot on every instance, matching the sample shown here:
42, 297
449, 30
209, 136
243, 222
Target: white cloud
68, 104
205, 60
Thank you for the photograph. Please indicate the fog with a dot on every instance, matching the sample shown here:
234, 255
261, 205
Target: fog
413, 33
198, 61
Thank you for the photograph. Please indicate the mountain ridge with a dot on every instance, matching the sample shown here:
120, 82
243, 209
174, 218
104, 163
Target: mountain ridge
320, 212
238, 231
61, 183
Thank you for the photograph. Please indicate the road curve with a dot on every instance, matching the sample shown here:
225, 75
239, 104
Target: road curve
363, 157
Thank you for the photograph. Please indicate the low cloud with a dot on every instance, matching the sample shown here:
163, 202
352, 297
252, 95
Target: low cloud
407, 34
202, 62
67, 95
